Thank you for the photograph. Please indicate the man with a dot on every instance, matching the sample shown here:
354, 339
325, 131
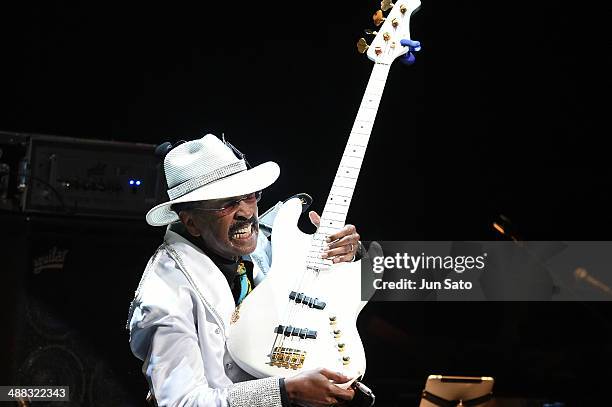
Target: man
212, 256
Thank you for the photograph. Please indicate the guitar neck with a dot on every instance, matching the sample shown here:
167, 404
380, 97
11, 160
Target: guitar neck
339, 199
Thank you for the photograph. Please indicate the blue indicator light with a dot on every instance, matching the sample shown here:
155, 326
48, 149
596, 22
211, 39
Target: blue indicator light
137, 182
131, 182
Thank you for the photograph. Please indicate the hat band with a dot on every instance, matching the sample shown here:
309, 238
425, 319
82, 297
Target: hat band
201, 180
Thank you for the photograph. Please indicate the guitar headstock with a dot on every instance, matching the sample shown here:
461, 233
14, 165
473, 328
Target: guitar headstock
387, 44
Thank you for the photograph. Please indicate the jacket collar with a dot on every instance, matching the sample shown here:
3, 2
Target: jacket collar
208, 281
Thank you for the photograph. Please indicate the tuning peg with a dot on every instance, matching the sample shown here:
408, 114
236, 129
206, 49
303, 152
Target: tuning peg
370, 32
413, 46
378, 18
386, 5
362, 45
408, 58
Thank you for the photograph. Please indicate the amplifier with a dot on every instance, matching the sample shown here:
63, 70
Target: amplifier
70, 176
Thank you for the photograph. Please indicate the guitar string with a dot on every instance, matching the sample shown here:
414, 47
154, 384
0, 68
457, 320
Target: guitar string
310, 286
289, 311
299, 309
306, 288
286, 322
294, 308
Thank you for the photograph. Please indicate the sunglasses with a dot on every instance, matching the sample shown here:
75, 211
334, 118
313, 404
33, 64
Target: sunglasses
230, 206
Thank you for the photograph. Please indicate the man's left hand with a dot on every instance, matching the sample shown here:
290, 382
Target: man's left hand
343, 245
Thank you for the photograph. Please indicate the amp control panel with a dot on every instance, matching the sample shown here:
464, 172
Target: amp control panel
90, 177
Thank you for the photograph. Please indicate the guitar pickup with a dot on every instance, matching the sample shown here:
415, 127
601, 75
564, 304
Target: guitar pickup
303, 333
301, 298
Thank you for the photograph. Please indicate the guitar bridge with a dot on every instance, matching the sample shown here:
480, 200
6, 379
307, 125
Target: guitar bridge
287, 358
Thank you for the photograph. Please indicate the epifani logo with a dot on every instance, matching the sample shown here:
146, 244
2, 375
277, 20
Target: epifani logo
54, 260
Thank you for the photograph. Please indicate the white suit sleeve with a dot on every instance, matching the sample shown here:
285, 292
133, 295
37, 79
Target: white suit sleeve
163, 334
173, 364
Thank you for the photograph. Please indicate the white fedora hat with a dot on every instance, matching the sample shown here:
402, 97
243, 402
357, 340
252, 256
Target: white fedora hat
204, 169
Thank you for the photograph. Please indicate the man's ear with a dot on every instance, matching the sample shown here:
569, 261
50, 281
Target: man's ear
187, 220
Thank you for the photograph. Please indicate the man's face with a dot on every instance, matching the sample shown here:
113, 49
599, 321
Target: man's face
231, 232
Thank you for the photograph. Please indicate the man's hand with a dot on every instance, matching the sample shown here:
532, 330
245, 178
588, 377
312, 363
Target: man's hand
343, 245
314, 388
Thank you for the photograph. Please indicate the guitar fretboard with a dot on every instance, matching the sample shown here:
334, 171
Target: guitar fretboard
339, 199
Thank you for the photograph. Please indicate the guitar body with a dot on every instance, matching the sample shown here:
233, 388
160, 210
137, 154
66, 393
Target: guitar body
252, 335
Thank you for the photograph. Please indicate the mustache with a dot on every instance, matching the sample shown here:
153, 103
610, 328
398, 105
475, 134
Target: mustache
242, 223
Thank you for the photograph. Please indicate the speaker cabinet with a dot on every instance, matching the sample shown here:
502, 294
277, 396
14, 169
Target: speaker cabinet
67, 287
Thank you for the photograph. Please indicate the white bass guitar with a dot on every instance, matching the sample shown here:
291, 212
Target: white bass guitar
303, 315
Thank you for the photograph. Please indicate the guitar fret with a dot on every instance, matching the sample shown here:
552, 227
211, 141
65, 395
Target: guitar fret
349, 168
355, 148
331, 230
335, 193
334, 217
348, 173
358, 131
373, 87
360, 135
371, 99
330, 226
336, 213
355, 159
344, 184
362, 126
346, 203
331, 219
336, 207
351, 162
346, 197
366, 115
337, 224
344, 187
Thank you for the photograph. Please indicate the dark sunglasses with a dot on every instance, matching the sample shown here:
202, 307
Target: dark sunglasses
232, 205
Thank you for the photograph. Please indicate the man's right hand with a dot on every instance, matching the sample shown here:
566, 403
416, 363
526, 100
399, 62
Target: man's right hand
314, 388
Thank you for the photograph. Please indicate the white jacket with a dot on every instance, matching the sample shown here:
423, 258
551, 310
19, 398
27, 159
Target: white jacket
178, 326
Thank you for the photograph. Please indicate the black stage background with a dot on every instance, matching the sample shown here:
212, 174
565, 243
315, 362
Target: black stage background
503, 113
